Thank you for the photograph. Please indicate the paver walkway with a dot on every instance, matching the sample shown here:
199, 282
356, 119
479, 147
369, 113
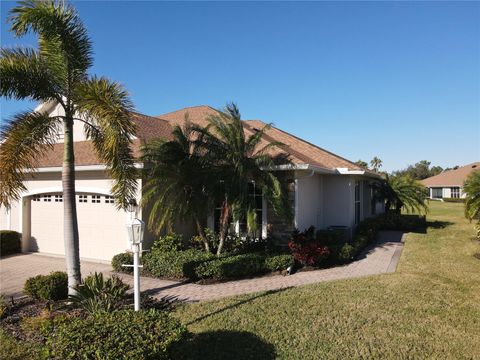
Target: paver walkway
382, 257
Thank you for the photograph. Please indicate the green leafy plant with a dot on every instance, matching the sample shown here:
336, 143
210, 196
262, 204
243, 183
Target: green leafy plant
346, 253
48, 287
174, 264
169, 242
98, 294
3, 305
121, 259
123, 334
9, 242
230, 267
472, 200
278, 262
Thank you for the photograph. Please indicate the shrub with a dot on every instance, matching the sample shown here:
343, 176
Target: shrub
123, 334
9, 242
278, 262
169, 242
174, 264
98, 294
307, 249
120, 259
3, 306
231, 267
346, 253
48, 287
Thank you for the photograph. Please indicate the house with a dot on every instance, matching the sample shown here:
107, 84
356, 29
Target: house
449, 184
325, 190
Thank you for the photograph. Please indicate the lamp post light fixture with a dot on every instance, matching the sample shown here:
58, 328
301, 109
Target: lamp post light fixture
135, 231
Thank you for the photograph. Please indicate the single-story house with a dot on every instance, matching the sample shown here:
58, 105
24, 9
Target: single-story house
449, 184
325, 190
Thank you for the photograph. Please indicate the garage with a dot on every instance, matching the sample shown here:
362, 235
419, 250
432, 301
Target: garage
101, 226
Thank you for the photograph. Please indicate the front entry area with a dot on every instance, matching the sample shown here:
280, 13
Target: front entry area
101, 226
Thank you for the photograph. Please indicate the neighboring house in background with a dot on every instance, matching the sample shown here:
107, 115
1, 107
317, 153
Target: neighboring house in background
325, 190
449, 184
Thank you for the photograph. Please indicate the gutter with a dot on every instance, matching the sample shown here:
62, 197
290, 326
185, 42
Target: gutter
320, 170
53, 169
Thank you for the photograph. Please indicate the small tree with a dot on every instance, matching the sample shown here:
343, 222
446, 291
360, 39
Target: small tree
179, 185
472, 201
401, 192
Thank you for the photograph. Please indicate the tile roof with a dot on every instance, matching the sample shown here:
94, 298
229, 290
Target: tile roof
300, 151
452, 177
148, 127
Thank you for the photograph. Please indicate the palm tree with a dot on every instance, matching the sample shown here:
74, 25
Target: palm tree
179, 181
376, 164
240, 161
401, 192
472, 201
57, 72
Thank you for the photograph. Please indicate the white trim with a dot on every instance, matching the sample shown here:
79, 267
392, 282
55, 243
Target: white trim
322, 170
295, 217
77, 168
264, 218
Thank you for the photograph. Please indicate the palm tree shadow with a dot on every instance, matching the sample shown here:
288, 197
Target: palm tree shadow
438, 224
224, 344
236, 304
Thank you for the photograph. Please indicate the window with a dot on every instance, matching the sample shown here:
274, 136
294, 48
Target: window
357, 202
96, 199
36, 198
240, 228
58, 198
109, 200
47, 198
83, 198
437, 193
455, 192
255, 194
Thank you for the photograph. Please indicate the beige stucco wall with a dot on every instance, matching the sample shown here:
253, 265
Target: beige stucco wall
101, 226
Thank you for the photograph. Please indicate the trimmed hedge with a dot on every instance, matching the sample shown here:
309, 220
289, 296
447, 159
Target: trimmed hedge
279, 262
231, 267
174, 264
120, 259
124, 334
50, 287
9, 242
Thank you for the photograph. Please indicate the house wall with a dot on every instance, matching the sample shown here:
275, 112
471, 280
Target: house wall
338, 204
308, 200
48, 216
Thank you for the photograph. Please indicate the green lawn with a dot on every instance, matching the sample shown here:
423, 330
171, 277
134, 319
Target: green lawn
429, 308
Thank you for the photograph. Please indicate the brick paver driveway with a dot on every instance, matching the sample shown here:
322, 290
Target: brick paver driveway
380, 258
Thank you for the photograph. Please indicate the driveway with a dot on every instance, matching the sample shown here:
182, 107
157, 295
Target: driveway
382, 257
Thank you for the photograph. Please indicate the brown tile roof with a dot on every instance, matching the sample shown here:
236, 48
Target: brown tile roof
148, 127
452, 177
300, 151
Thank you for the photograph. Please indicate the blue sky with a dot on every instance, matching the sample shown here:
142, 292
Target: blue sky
396, 80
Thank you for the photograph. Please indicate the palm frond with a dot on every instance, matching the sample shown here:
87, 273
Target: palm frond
23, 140
55, 22
472, 200
24, 75
106, 107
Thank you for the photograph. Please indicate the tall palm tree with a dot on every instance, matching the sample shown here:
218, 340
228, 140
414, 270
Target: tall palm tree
376, 164
401, 192
472, 201
57, 72
179, 181
241, 160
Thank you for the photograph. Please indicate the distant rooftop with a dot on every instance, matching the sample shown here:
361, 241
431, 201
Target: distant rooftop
452, 177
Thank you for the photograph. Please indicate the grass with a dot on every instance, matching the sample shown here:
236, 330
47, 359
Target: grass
429, 308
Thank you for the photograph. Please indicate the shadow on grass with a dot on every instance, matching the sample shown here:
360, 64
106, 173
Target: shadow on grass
224, 344
236, 304
438, 224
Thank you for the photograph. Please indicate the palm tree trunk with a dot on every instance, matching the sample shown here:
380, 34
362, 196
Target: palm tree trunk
201, 232
224, 219
70, 224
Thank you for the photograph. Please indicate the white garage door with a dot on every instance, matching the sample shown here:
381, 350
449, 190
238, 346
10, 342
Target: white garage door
101, 227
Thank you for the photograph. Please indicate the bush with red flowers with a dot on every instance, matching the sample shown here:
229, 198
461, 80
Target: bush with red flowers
306, 249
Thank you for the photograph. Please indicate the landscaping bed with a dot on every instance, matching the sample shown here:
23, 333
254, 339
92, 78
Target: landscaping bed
171, 258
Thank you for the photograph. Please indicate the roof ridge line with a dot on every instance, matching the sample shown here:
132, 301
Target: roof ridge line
185, 108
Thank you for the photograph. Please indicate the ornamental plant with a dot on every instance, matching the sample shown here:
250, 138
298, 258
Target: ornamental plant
307, 249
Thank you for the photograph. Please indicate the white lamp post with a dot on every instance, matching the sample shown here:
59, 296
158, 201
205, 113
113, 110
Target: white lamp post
135, 230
